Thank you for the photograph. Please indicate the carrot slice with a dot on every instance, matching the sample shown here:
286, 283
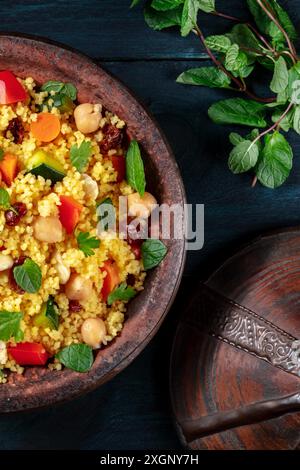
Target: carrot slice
9, 168
46, 128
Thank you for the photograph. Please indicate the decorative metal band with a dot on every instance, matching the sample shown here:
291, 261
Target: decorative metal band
244, 329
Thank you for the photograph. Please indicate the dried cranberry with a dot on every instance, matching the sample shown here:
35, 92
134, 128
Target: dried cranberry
74, 306
135, 246
14, 215
12, 282
112, 138
15, 127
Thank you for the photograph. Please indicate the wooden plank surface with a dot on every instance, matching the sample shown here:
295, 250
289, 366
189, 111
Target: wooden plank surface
107, 29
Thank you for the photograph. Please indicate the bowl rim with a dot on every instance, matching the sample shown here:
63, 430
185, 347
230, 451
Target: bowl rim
31, 397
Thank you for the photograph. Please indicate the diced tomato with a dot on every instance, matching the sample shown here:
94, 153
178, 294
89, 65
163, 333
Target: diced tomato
135, 246
119, 165
2, 248
111, 280
11, 90
29, 354
69, 213
9, 168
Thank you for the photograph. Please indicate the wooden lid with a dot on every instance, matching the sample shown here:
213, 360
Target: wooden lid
235, 363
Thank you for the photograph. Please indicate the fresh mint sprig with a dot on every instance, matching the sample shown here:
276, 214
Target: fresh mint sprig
267, 42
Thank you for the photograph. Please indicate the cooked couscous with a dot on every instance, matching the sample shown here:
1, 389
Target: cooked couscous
63, 286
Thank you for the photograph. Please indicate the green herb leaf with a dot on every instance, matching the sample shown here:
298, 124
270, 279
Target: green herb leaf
78, 357
70, 90
243, 157
189, 16
275, 161
10, 325
207, 5
80, 155
52, 313
28, 276
293, 90
1, 154
106, 214
235, 138
287, 122
123, 292
211, 77
52, 85
86, 243
158, 20
242, 35
67, 89
218, 43
280, 78
4, 199
163, 5
238, 111
296, 119
267, 26
231, 57
153, 252
135, 173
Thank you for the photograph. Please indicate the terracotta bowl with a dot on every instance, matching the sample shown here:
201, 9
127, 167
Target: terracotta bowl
42, 60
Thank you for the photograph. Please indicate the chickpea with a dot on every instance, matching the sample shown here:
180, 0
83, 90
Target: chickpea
93, 331
6, 262
63, 271
78, 288
90, 186
87, 117
141, 206
48, 229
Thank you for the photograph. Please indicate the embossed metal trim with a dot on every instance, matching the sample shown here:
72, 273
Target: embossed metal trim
244, 329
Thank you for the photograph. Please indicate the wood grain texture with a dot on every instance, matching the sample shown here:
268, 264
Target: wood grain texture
109, 29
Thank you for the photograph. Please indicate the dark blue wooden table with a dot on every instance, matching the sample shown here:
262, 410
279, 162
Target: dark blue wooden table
133, 410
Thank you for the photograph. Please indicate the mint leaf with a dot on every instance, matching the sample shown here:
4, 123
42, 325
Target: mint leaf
153, 252
10, 325
235, 138
158, 20
134, 3
296, 120
218, 43
293, 90
211, 77
207, 5
238, 111
52, 313
4, 199
28, 276
242, 35
135, 173
86, 243
243, 157
1, 154
78, 357
123, 292
231, 56
275, 161
287, 122
189, 16
67, 89
52, 85
163, 5
70, 90
280, 78
80, 155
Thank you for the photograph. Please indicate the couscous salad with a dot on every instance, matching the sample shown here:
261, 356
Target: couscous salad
65, 282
